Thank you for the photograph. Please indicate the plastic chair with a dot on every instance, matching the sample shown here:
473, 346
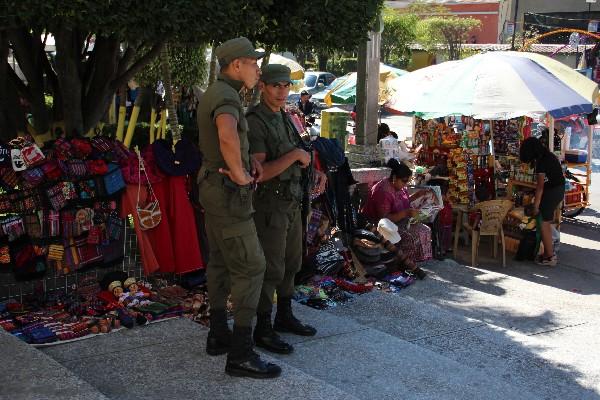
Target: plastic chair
493, 213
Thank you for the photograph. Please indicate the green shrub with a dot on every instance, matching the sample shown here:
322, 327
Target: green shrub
341, 66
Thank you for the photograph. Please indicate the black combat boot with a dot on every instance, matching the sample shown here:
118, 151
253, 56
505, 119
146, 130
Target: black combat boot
243, 361
265, 337
218, 341
286, 322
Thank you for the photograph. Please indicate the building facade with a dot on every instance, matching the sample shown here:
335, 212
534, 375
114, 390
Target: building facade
493, 15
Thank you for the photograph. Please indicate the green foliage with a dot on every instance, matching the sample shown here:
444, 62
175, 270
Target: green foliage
323, 25
190, 21
399, 33
422, 8
448, 32
341, 66
188, 67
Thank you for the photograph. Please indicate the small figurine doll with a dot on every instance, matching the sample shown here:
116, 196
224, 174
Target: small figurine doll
135, 297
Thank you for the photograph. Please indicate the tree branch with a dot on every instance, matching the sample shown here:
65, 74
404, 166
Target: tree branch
137, 66
126, 60
15, 80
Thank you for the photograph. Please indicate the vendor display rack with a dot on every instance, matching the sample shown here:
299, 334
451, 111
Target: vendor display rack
485, 154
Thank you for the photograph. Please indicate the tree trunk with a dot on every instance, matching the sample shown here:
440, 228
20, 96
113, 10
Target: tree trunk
322, 58
212, 74
9, 106
28, 51
166, 75
67, 63
101, 68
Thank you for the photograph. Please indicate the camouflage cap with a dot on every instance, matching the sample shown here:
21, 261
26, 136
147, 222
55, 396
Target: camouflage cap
274, 73
236, 48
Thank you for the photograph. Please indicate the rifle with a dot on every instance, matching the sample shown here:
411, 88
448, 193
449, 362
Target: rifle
306, 181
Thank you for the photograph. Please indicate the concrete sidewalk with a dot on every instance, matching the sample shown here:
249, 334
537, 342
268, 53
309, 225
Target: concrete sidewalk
521, 332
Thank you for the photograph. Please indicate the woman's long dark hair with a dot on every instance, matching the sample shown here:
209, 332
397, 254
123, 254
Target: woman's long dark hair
532, 149
399, 169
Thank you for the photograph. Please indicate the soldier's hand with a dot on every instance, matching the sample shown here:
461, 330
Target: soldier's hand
303, 157
241, 178
257, 169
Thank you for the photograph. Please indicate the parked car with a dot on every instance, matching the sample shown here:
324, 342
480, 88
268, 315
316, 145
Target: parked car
314, 82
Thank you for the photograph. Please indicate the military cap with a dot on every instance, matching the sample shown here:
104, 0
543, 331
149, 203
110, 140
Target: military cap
274, 73
236, 48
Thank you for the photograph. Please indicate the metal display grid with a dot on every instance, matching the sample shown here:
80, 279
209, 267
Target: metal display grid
55, 281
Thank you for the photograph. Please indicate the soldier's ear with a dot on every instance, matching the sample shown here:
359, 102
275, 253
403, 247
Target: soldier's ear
261, 86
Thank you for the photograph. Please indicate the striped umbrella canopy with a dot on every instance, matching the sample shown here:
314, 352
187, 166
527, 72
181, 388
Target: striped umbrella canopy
495, 85
297, 72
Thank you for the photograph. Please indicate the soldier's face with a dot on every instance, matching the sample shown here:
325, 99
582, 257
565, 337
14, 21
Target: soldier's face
275, 94
249, 71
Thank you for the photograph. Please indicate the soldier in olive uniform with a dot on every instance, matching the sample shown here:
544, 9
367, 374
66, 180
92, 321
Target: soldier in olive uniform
236, 262
275, 143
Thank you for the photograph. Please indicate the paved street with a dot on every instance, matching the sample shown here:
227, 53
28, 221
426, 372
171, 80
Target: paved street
523, 332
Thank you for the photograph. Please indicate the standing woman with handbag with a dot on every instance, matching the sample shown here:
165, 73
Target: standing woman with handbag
549, 191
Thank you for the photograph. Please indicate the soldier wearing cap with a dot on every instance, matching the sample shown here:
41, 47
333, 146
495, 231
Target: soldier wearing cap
236, 261
275, 143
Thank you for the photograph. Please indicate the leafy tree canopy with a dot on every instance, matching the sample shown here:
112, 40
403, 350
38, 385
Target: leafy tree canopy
450, 32
399, 32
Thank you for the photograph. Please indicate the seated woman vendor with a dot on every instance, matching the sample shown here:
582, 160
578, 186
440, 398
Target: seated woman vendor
389, 198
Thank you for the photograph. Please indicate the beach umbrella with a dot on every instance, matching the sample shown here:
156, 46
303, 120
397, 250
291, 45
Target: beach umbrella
494, 85
345, 91
297, 70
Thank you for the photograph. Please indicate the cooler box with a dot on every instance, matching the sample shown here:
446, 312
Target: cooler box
576, 156
574, 195
333, 124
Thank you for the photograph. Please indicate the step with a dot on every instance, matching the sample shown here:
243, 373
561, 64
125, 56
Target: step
168, 361
371, 363
27, 373
521, 361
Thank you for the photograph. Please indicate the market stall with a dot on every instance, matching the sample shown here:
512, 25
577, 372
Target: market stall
472, 115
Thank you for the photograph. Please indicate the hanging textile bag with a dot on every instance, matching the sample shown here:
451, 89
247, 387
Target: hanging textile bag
60, 195
25, 150
69, 226
5, 260
97, 167
114, 226
76, 169
52, 170
33, 227
63, 149
81, 147
149, 214
28, 264
17, 160
32, 177
13, 227
86, 189
8, 178
79, 253
50, 223
113, 180
5, 160
30, 200
101, 144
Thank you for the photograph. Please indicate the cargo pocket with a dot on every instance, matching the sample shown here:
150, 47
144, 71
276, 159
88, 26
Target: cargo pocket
241, 240
239, 203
